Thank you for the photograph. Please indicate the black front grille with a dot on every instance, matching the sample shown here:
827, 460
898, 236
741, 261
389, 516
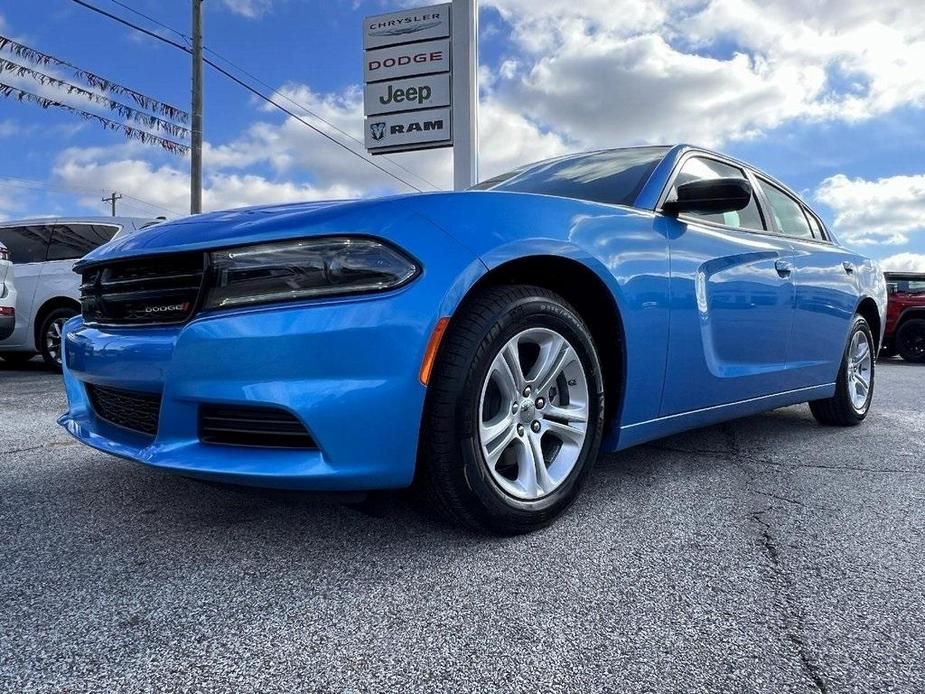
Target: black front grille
143, 291
128, 409
267, 427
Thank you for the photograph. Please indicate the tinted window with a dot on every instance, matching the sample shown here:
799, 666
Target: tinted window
700, 169
26, 244
910, 286
787, 212
73, 241
815, 225
614, 176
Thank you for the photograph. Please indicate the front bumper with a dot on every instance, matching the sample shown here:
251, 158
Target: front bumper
348, 369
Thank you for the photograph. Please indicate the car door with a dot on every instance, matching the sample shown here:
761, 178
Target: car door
826, 291
69, 243
28, 247
731, 300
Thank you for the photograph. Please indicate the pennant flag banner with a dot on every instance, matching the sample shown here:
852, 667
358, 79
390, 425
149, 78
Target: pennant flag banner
142, 136
140, 117
146, 102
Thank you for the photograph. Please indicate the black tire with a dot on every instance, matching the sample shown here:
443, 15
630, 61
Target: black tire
453, 476
839, 410
17, 358
51, 356
910, 340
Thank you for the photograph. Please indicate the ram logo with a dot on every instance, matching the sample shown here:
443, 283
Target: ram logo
377, 130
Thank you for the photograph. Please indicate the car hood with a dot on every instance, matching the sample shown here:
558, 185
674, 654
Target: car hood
249, 225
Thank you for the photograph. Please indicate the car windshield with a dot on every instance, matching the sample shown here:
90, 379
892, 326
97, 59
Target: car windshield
612, 176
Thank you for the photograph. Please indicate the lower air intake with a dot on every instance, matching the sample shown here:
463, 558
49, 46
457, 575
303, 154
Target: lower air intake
264, 427
128, 409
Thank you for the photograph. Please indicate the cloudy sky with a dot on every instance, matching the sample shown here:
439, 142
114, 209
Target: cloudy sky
827, 95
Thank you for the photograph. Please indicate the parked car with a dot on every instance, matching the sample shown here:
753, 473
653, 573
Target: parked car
483, 345
7, 294
905, 316
43, 252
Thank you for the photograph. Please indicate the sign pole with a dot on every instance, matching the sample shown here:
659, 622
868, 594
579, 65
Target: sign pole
195, 204
465, 56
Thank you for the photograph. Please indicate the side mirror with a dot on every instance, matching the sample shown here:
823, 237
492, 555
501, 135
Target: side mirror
711, 196
892, 289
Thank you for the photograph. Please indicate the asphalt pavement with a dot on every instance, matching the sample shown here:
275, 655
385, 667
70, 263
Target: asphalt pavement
765, 555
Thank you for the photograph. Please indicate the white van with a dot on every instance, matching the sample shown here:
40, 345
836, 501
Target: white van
43, 253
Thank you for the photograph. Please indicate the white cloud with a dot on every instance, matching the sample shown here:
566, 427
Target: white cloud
904, 262
885, 211
168, 187
251, 9
665, 70
9, 127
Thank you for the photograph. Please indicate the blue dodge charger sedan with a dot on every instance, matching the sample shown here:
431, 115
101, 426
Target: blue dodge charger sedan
484, 346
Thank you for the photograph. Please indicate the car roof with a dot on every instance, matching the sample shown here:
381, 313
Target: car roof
113, 221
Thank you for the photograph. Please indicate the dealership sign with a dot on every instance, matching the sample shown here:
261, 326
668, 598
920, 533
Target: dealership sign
426, 91
406, 70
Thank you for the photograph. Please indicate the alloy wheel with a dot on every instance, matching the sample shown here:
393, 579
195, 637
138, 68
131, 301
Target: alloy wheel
533, 413
53, 339
860, 364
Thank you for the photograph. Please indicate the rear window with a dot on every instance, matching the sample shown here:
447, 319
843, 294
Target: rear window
614, 176
27, 244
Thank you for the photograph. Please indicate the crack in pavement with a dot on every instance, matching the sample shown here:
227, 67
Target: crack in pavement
793, 616
794, 624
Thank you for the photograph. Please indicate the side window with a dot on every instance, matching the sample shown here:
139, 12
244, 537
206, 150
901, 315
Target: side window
815, 225
26, 244
73, 241
700, 168
788, 213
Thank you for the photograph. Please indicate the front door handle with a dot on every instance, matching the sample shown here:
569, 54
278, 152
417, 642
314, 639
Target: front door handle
783, 267
849, 267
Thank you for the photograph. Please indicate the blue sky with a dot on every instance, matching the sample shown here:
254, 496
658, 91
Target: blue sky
828, 99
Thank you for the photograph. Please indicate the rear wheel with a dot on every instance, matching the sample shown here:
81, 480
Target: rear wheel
514, 412
50, 335
910, 339
854, 387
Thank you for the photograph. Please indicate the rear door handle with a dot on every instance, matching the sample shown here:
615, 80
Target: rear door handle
783, 267
849, 267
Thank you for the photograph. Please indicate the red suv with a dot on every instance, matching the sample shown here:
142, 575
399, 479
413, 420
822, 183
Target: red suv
905, 316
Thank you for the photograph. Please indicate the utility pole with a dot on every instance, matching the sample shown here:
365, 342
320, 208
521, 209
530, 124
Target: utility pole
196, 136
465, 52
112, 199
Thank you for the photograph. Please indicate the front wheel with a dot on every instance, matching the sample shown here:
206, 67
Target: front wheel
514, 411
854, 387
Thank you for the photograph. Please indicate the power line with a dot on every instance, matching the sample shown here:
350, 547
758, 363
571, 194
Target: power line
272, 89
315, 115
150, 19
33, 184
248, 87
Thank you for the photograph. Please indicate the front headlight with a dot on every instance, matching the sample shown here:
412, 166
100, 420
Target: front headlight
304, 269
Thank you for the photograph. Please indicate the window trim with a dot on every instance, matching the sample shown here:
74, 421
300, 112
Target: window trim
749, 176
826, 240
